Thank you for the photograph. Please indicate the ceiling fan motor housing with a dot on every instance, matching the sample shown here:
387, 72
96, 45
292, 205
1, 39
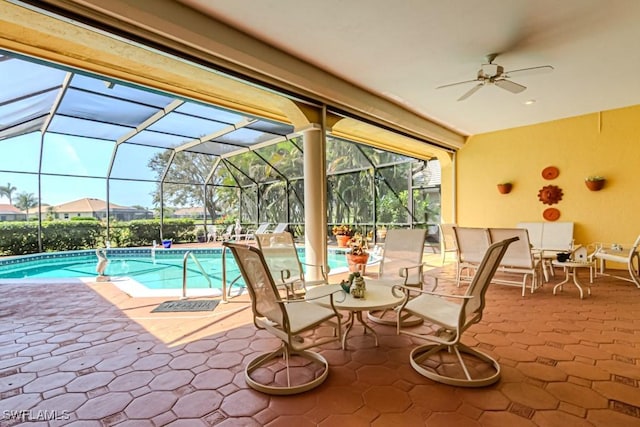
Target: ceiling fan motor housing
490, 70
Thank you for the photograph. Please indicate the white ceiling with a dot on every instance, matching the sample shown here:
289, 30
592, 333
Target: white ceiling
404, 49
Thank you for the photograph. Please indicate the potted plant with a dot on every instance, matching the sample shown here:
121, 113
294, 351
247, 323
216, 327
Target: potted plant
343, 233
358, 256
505, 187
595, 182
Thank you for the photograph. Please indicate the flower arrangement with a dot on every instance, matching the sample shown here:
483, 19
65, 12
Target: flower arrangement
342, 230
358, 244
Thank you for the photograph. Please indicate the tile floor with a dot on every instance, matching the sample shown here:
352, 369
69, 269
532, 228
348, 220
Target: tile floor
88, 355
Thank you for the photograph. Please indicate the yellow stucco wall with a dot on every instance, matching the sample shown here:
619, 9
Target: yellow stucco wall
606, 144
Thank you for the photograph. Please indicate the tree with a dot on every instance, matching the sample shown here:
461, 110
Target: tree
184, 181
26, 201
7, 190
51, 213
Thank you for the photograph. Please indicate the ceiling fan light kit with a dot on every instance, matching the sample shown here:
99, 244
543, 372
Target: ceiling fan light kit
490, 73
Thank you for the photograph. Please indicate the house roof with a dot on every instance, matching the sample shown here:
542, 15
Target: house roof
9, 209
89, 204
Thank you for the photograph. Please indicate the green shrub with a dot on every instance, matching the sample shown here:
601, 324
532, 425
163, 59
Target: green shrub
71, 235
144, 231
119, 234
18, 237
21, 237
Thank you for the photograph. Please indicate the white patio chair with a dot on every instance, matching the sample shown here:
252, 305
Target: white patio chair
547, 240
281, 256
445, 358
622, 253
229, 232
472, 244
212, 233
448, 242
401, 263
262, 228
280, 228
518, 259
286, 320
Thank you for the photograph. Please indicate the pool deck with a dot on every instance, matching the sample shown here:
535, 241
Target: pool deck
90, 355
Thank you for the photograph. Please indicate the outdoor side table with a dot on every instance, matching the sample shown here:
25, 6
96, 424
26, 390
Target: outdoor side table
571, 269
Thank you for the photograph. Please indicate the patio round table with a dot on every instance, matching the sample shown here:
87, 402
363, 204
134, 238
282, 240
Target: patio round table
378, 296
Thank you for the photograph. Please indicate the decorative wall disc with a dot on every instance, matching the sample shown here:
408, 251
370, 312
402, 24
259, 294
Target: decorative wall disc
551, 214
550, 172
550, 194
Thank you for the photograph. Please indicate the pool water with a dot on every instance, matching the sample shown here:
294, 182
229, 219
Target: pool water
163, 271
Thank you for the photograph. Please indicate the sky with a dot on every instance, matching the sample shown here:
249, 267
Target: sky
87, 158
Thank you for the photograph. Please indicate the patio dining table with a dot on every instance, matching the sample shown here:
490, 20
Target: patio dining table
378, 296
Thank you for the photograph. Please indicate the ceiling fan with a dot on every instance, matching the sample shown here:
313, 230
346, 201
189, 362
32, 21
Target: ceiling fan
491, 73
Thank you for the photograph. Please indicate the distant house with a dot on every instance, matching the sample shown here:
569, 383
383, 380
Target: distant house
45, 208
96, 208
11, 213
192, 212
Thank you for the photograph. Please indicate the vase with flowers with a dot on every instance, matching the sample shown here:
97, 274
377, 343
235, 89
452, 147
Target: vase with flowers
343, 233
358, 256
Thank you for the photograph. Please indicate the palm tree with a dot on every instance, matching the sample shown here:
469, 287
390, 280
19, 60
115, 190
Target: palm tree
7, 190
26, 201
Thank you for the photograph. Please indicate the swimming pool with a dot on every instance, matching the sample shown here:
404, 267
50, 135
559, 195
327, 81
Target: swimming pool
140, 272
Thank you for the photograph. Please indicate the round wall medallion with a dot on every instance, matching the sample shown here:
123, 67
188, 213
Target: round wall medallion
550, 172
550, 194
551, 214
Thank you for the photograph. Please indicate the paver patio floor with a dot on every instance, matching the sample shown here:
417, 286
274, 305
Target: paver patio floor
89, 355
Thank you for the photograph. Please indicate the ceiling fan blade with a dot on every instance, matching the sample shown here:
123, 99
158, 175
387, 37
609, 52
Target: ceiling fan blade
529, 71
458, 83
471, 91
509, 85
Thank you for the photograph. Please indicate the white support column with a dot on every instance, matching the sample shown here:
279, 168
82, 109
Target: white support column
315, 199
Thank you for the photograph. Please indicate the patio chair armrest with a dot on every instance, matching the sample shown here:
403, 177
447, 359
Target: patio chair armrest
323, 271
328, 291
407, 289
404, 271
285, 275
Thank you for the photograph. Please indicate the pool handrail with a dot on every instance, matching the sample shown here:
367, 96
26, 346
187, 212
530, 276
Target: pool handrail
184, 271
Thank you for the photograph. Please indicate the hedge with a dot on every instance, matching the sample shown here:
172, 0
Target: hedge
142, 232
21, 237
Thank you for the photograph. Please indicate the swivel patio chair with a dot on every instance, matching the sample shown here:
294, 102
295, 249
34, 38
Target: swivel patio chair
288, 320
401, 263
281, 256
445, 359
472, 243
518, 259
448, 242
